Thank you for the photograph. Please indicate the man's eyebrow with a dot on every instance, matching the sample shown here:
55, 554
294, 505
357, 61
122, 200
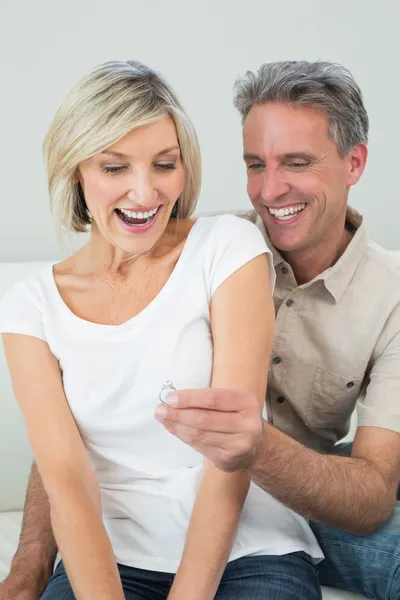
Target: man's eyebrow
248, 156
122, 155
289, 156
294, 155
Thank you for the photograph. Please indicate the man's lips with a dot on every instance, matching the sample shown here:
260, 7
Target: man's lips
288, 213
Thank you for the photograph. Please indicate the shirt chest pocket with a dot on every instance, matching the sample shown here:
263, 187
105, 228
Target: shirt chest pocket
332, 400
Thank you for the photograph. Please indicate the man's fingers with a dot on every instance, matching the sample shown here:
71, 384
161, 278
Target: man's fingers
197, 438
211, 399
226, 451
206, 420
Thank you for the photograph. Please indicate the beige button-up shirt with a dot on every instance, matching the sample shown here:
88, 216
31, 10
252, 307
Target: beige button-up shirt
336, 345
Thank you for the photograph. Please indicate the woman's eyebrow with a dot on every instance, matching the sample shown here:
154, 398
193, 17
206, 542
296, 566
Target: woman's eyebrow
169, 149
122, 155
115, 153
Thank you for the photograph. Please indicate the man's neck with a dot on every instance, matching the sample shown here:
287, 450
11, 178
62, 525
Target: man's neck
312, 262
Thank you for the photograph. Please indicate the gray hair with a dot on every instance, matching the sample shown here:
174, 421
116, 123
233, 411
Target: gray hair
324, 86
105, 105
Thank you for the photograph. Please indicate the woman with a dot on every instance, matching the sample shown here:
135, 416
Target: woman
152, 297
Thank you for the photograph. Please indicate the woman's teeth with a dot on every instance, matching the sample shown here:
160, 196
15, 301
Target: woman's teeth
136, 218
285, 214
139, 215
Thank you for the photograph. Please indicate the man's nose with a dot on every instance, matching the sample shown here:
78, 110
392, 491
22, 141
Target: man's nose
274, 185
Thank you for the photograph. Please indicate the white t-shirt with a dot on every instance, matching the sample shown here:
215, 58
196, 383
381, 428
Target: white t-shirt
112, 376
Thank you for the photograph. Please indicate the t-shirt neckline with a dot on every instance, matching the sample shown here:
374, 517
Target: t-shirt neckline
146, 311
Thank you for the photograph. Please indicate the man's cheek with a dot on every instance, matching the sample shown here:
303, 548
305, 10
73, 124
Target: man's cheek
253, 191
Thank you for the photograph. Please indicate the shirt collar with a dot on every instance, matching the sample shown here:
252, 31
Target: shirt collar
336, 278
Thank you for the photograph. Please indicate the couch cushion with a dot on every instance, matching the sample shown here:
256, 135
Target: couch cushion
10, 525
332, 594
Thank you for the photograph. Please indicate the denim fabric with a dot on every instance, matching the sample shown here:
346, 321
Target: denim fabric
368, 565
288, 577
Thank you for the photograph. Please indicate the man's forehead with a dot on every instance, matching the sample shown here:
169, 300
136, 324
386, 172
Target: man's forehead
284, 129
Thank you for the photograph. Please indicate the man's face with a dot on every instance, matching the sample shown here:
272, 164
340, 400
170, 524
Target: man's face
297, 181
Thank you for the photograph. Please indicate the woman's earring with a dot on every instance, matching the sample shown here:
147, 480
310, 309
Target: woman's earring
166, 389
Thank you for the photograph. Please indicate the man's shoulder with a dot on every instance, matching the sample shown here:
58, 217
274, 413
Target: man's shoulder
380, 262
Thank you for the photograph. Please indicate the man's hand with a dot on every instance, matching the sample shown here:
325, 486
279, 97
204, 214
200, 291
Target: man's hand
19, 586
224, 425
29, 575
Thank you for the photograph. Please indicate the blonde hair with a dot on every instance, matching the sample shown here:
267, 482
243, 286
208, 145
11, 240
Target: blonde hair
104, 106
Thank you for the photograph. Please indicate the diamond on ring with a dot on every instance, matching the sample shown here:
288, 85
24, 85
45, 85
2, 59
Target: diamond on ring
167, 388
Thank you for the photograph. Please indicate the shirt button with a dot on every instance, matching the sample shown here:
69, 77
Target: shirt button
350, 384
285, 270
280, 399
289, 302
276, 360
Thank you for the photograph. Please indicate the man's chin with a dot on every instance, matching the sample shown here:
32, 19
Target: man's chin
288, 237
287, 243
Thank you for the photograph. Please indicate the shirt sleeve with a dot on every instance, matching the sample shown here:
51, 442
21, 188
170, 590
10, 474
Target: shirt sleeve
379, 405
236, 241
20, 312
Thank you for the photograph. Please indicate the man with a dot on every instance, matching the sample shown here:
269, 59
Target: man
337, 338
337, 341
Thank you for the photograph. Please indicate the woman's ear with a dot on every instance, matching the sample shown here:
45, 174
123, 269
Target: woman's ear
175, 210
77, 176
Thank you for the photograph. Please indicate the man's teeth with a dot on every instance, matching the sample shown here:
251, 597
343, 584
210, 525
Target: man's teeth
139, 215
285, 214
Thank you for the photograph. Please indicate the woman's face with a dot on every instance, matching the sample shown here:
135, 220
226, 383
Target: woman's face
131, 187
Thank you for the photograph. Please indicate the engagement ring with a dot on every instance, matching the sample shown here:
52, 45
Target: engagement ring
167, 388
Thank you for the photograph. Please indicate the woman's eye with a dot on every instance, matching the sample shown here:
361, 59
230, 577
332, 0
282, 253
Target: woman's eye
113, 169
165, 166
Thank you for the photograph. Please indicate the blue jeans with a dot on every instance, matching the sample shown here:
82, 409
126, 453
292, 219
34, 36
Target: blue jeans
288, 577
368, 565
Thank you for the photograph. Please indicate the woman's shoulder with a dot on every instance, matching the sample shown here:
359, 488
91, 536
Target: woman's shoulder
229, 241
29, 288
223, 228
23, 305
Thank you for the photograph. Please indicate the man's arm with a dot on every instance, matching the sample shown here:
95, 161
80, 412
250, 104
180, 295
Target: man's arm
356, 494
34, 560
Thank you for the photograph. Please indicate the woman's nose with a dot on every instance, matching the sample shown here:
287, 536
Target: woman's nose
142, 192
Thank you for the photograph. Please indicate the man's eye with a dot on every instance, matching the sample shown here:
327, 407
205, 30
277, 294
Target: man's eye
113, 169
255, 166
297, 165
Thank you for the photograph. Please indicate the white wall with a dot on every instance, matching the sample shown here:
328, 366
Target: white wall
46, 45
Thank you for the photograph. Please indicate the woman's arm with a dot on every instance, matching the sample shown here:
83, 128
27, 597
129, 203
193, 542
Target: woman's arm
242, 321
68, 477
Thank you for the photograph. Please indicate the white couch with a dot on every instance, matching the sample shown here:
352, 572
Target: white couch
15, 455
